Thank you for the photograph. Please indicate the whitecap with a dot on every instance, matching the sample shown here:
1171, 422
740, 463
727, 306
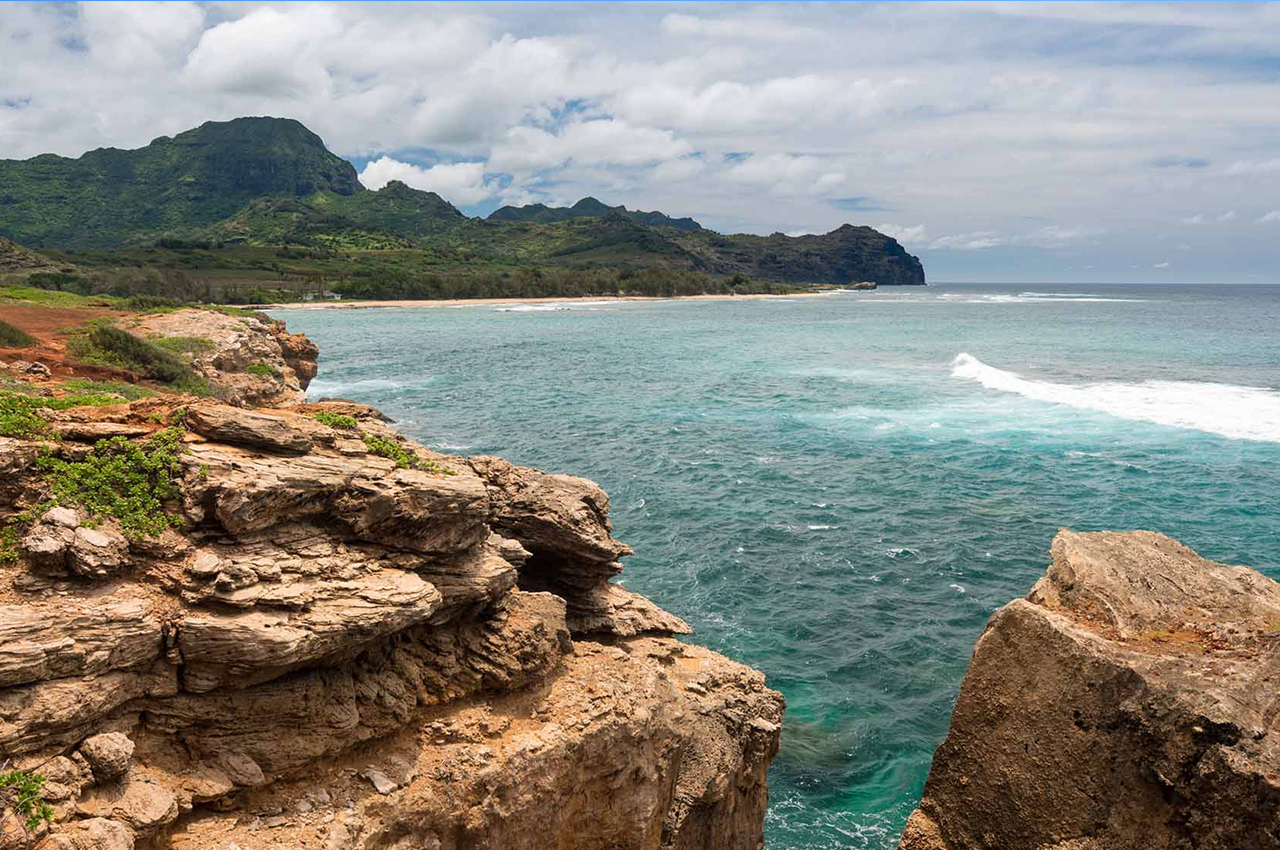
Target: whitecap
899, 551
958, 588
822, 527
319, 388
1229, 410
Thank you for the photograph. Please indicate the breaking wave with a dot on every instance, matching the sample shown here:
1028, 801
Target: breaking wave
1241, 413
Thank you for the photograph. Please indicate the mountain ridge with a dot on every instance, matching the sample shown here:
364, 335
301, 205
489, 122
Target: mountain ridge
263, 182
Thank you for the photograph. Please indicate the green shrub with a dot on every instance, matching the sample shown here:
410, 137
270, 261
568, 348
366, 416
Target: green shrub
150, 303
121, 479
184, 344
404, 459
107, 345
264, 370
18, 416
22, 792
11, 337
335, 420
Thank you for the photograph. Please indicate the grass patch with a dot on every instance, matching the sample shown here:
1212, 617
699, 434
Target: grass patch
121, 480
11, 337
53, 298
130, 392
184, 344
404, 459
335, 420
263, 370
104, 344
23, 794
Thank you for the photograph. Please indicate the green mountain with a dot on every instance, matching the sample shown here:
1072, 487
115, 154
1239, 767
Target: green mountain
259, 183
588, 207
111, 197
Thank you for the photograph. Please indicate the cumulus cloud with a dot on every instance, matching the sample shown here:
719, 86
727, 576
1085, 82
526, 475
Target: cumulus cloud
753, 117
1274, 215
458, 182
1166, 264
912, 236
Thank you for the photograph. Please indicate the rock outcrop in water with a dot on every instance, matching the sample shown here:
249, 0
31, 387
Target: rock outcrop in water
1128, 703
344, 647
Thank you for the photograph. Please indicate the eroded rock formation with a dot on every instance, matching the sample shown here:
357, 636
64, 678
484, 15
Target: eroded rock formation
1128, 703
334, 651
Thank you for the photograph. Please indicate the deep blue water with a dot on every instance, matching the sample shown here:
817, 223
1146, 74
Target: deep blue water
826, 490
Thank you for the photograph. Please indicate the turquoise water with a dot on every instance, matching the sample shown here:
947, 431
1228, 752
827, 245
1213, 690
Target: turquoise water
826, 489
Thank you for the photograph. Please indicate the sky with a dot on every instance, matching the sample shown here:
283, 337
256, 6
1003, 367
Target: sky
1000, 142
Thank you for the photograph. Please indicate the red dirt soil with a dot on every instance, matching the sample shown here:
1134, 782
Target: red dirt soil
48, 325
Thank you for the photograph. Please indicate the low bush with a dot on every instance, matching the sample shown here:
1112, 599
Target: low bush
122, 480
335, 420
404, 459
264, 370
23, 794
11, 337
107, 345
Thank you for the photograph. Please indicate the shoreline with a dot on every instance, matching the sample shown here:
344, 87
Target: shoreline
489, 302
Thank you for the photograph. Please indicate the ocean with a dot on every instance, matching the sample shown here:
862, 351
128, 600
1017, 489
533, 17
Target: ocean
839, 490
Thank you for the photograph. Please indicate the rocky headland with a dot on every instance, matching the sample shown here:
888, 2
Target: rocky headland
320, 634
1128, 703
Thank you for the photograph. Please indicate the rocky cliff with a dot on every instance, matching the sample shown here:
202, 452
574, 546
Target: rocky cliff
320, 634
1128, 703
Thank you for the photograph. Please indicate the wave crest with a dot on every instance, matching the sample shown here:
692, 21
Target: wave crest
1237, 412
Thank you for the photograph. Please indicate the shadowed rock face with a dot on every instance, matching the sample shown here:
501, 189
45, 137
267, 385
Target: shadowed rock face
378, 657
1128, 703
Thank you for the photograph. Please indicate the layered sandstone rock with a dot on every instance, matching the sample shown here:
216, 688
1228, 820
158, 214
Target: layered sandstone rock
336, 652
1128, 703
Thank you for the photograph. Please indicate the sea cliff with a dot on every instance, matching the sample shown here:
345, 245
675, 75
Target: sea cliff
334, 637
1128, 703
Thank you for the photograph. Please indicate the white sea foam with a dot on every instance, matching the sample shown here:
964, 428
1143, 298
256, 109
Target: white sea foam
555, 306
1036, 298
1237, 412
320, 388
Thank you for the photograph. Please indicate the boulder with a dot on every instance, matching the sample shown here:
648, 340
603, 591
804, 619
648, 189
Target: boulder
109, 754
139, 801
91, 834
1128, 703
226, 424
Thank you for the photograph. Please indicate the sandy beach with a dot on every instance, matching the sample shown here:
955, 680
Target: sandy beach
482, 302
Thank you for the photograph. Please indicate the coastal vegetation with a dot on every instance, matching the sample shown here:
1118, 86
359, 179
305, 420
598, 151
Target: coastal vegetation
22, 792
11, 337
257, 210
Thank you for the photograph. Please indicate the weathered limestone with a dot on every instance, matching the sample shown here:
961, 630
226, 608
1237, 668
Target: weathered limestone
319, 605
249, 428
53, 641
1127, 704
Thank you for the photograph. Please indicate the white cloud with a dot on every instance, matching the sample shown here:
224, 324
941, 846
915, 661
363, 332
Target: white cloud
908, 236
1227, 216
1198, 218
752, 117
978, 241
1166, 264
457, 182
1274, 215
1251, 167
589, 142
